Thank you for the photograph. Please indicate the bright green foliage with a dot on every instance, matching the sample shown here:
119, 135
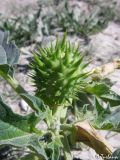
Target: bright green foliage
59, 73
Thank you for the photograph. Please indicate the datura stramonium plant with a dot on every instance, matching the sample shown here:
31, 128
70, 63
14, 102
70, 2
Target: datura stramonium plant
58, 73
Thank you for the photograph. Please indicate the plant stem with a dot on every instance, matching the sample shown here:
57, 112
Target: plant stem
67, 152
15, 85
60, 112
17, 88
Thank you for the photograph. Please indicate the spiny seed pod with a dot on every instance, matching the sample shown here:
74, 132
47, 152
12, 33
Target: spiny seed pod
58, 73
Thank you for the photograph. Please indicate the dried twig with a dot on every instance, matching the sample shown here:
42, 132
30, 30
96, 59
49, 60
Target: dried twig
104, 70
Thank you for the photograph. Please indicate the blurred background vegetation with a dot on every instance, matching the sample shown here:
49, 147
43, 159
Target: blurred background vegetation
54, 16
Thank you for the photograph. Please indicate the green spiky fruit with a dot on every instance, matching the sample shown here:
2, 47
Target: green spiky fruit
58, 73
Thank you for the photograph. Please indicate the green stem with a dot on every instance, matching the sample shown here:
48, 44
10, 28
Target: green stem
67, 152
17, 88
14, 84
60, 112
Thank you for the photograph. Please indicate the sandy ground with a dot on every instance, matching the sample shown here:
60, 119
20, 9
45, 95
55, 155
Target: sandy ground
16, 7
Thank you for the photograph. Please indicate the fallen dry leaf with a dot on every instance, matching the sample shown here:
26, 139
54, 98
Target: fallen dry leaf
89, 136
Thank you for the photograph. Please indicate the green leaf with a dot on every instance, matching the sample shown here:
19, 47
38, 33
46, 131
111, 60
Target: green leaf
115, 155
9, 54
28, 122
104, 92
9, 135
18, 130
108, 120
11, 50
25, 123
112, 98
12, 53
1, 37
55, 147
97, 88
99, 107
3, 57
37, 103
